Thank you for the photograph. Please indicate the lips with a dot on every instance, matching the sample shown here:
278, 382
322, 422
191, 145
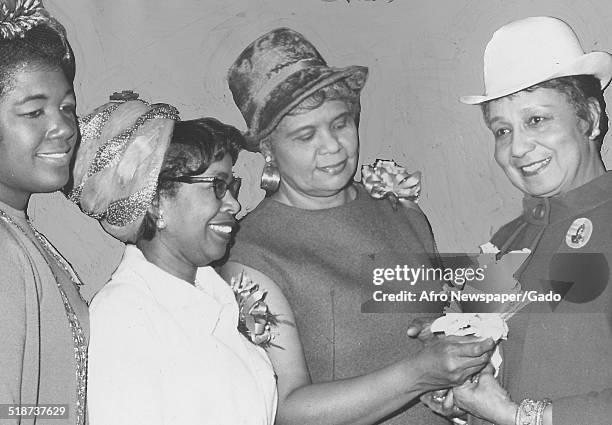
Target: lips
333, 168
56, 157
534, 168
223, 229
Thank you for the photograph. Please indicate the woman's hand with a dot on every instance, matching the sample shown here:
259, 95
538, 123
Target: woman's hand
449, 361
487, 399
365, 399
421, 328
444, 406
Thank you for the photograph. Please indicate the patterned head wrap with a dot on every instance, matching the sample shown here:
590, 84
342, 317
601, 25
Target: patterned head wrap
123, 144
17, 17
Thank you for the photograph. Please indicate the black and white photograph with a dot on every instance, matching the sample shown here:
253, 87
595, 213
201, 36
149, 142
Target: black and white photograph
305, 212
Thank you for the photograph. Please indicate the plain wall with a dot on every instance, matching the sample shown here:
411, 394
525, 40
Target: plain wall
422, 56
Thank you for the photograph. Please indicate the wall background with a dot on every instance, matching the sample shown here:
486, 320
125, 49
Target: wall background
422, 56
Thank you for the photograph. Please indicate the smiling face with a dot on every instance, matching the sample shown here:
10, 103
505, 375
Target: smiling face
199, 225
38, 132
316, 153
544, 148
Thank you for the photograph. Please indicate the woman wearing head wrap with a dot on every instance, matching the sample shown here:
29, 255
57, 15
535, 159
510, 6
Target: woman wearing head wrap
165, 347
306, 243
44, 327
545, 107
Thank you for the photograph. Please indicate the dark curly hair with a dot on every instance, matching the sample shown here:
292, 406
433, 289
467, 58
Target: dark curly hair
41, 46
194, 146
578, 90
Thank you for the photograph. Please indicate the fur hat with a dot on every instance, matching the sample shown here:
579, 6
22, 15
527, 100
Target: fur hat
275, 73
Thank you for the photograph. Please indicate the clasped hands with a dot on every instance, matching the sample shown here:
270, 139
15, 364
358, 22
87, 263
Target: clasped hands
470, 383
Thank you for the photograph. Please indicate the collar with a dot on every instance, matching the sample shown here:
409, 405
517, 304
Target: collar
20, 215
544, 211
211, 302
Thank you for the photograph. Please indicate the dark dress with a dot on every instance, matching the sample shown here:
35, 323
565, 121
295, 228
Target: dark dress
564, 351
321, 259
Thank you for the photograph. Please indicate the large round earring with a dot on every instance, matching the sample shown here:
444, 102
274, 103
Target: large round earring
160, 223
270, 177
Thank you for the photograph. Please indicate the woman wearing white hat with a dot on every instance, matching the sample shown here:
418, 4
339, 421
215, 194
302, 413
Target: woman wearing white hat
544, 105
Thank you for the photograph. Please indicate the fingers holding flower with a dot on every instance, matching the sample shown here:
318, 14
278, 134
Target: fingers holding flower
449, 361
442, 402
421, 328
486, 399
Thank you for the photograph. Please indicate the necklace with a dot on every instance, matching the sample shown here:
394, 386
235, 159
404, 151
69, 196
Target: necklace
78, 336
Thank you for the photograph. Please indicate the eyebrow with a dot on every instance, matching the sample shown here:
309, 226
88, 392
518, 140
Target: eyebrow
31, 98
342, 115
535, 108
298, 130
493, 120
301, 129
41, 97
527, 109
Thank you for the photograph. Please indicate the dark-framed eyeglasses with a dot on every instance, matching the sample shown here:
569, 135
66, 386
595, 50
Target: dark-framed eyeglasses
220, 186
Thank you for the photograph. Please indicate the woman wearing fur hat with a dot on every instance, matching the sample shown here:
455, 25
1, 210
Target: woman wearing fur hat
165, 348
45, 326
544, 105
305, 243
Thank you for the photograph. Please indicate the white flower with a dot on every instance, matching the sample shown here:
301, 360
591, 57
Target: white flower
484, 325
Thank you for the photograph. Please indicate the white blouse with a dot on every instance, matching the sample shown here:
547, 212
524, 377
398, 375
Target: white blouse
163, 351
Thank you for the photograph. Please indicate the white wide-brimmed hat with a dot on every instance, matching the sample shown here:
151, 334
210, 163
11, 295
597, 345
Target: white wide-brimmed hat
532, 50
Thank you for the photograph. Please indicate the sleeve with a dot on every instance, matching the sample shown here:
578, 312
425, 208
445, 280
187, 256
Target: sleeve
16, 359
124, 376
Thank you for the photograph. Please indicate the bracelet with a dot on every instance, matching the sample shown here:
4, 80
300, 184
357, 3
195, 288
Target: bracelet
542, 407
531, 412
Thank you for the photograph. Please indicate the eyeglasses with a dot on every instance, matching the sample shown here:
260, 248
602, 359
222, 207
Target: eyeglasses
220, 186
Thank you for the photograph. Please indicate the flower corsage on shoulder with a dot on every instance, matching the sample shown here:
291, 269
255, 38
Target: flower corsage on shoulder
387, 179
255, 321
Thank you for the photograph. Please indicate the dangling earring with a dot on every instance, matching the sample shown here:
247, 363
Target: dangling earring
160, 223
596, 132
270, 177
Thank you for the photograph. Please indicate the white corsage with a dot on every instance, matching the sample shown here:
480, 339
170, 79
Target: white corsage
386, 179
484, 325
488, 248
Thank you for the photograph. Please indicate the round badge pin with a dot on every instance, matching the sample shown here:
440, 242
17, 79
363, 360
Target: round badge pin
579, 233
